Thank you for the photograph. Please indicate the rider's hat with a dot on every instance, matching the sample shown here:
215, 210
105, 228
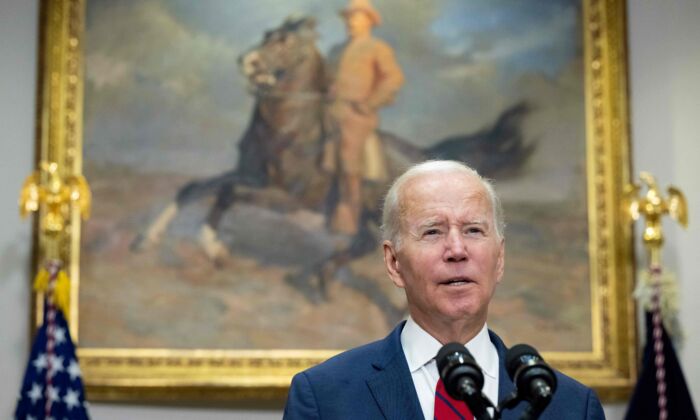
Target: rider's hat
363, 6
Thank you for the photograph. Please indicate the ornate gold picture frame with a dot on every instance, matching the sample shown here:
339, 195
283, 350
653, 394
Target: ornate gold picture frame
114, 373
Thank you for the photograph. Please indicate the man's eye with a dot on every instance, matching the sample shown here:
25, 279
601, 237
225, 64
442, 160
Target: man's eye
432, 232
475, 230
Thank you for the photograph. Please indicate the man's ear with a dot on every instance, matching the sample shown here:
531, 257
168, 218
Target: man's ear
501, 264
391, 262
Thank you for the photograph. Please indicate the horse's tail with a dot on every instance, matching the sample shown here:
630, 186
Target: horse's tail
499, 149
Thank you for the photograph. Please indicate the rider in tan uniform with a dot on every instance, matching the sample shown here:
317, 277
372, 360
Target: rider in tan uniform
364, 77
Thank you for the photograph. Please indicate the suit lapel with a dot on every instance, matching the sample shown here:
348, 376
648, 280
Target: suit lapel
391, 384
505, 385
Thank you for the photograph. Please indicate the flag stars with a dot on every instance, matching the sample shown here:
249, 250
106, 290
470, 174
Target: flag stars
59, 335
56, 364
52, 381
74, 369
40, 362
34, 394
71, 399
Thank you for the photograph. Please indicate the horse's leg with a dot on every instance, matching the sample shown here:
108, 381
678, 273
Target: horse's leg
208, 238
360, 245
335, 269
189, 193
252, 191
313, 279
155, 230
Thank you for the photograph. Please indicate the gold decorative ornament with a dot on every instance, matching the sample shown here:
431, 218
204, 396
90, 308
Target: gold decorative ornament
657, 289
45, 187
652, 206
44, 190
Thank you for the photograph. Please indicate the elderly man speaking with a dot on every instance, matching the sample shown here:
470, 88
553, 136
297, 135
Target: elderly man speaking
444, 245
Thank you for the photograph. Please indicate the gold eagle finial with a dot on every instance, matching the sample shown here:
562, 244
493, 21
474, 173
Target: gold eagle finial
652, 206
45, 187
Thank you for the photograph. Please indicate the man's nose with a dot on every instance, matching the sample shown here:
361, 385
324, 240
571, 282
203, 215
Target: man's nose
456, 247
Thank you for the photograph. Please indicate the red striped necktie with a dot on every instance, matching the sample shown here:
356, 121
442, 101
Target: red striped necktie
447, 408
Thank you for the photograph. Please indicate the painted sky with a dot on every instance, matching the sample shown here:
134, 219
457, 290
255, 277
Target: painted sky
162, 74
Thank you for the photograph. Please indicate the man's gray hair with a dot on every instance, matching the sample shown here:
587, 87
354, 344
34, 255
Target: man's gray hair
391, 223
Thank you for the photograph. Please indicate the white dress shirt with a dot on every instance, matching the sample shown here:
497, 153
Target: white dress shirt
421, 348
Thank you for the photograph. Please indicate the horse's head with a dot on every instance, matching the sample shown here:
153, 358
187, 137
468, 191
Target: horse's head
281, 51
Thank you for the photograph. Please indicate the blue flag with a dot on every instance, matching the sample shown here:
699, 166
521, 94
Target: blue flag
53, 385
644, 404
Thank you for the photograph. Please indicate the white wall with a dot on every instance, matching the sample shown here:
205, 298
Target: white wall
665, 102
18, 34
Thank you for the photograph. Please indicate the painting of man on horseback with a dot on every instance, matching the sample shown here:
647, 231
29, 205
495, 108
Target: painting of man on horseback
327, 115
313, 142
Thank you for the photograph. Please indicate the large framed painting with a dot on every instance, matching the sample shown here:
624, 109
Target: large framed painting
212, 267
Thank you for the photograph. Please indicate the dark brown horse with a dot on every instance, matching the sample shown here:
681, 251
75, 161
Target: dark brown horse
280, 147
280, 152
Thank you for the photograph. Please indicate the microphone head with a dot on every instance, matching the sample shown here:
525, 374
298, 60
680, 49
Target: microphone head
454, 363
520, 355
449, 352
533, 378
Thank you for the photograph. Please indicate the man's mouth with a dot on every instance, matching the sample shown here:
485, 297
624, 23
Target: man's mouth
457, 281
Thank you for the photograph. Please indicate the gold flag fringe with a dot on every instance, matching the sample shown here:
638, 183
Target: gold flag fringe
59, 291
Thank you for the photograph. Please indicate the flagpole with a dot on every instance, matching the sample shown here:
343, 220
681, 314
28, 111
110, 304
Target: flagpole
657, 333
55, 198
652, 207
53, 267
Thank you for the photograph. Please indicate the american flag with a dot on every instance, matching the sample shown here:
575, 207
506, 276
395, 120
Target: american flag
53, 386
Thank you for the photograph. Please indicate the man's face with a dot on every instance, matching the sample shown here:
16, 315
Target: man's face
358, 23
450, 257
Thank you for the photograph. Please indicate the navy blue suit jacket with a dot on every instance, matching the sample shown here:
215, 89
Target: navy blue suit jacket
373, 382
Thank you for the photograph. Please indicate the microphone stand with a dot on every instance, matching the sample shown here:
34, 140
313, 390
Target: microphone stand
477, 402
508, 403
532, 412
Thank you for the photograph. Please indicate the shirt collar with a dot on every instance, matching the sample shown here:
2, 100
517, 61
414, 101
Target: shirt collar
420, 348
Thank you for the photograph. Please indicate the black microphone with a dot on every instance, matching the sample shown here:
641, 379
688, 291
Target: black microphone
463, 378
534, 380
